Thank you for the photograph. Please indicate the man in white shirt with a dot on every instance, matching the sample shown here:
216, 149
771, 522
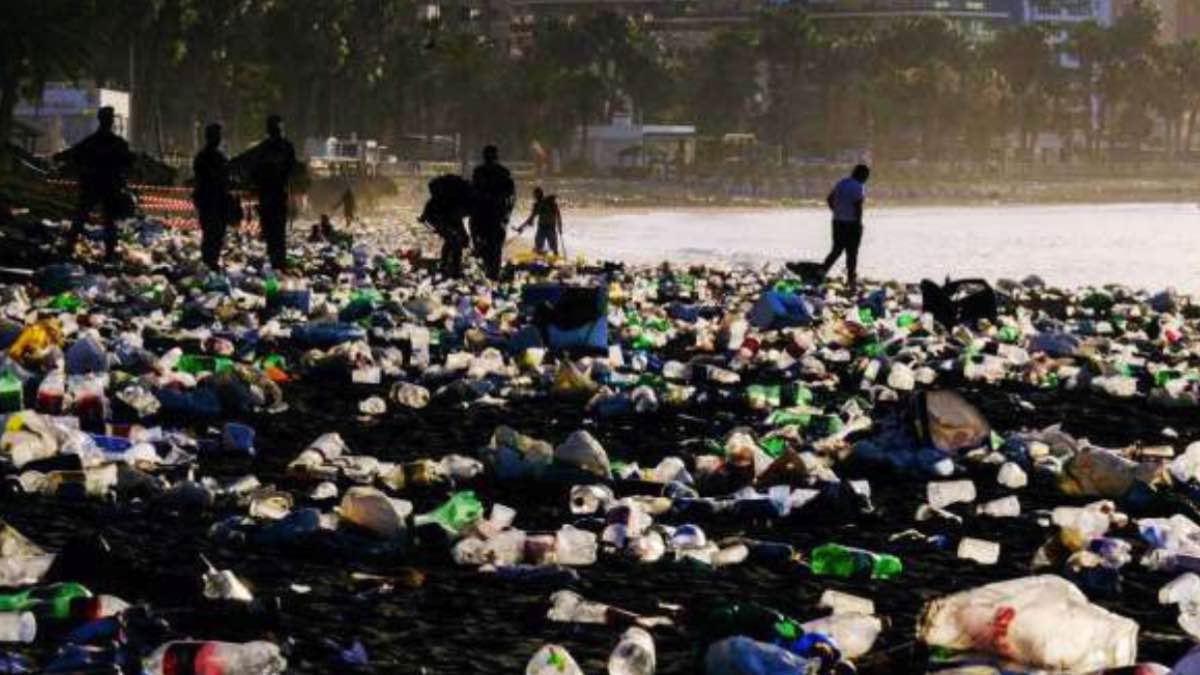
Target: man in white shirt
846, 202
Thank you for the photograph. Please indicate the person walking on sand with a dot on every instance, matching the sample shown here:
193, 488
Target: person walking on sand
349, 206
493, 204
215, 206
102, 160
846, 203
271, 163
549, 222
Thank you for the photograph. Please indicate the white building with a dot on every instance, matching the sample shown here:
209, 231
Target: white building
623, 144
1060, 15
66, 113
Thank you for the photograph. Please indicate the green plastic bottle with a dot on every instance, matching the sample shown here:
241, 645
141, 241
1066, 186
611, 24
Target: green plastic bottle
774, 447
905, 320
847, 562
1008, 334
12, 393
462, 509
752, 620
764, 395
66, 302
52, 602
786, 417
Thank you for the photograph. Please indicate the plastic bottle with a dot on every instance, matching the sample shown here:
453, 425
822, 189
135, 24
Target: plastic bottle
552, 660
52, 601
946, 492
740, 655
847, 562
981, 551
588, 499
1005, 507
215, 658
845, 603
51, 392
1184, 588
12, 393
17, 627
1039, 621
634, 654
326, 335
854, 633
575, 547
570, 607
753, 620
458, 512
90, 402
1012, 476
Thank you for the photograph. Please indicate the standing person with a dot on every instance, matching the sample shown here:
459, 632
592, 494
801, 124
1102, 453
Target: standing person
846, 202
494, 197
210, 194
102, 160
348, 204
549, 222
271, 163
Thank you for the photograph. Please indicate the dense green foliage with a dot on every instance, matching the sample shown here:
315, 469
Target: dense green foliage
908, 89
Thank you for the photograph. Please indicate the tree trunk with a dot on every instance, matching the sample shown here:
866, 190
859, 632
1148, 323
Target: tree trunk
8, 102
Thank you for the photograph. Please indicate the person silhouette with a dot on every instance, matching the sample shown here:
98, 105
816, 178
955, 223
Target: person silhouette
210, 194
846, 201
102, 160
549, 222
271, 164
349, 206
449, 202
495, 194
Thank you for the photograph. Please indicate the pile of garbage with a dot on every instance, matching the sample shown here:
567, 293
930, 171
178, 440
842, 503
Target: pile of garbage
725, 424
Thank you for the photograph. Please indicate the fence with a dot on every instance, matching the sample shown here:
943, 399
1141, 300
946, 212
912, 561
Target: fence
173, 205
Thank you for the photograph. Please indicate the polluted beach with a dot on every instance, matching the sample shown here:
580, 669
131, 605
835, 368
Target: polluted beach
804, 338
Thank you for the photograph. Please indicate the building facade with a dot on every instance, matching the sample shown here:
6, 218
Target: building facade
978, 19
66, 113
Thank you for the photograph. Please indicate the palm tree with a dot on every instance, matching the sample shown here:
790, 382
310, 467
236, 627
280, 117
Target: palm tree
1025, 59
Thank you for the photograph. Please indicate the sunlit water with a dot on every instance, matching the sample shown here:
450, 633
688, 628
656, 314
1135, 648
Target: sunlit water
1143, 245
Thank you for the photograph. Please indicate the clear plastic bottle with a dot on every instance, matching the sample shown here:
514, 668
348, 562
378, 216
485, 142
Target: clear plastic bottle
218, 658
575, 547
946, 492
51, 392
552, 660
1005, 507
634, 654
17, 627
588, 499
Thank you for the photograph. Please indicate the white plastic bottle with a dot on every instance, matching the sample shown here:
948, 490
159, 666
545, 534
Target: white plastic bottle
634, 654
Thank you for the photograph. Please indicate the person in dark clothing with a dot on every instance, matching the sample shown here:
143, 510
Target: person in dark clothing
449, 202
102, 159
210, 194
494, 197
346, 201
549, 222
271, 163
846, 202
